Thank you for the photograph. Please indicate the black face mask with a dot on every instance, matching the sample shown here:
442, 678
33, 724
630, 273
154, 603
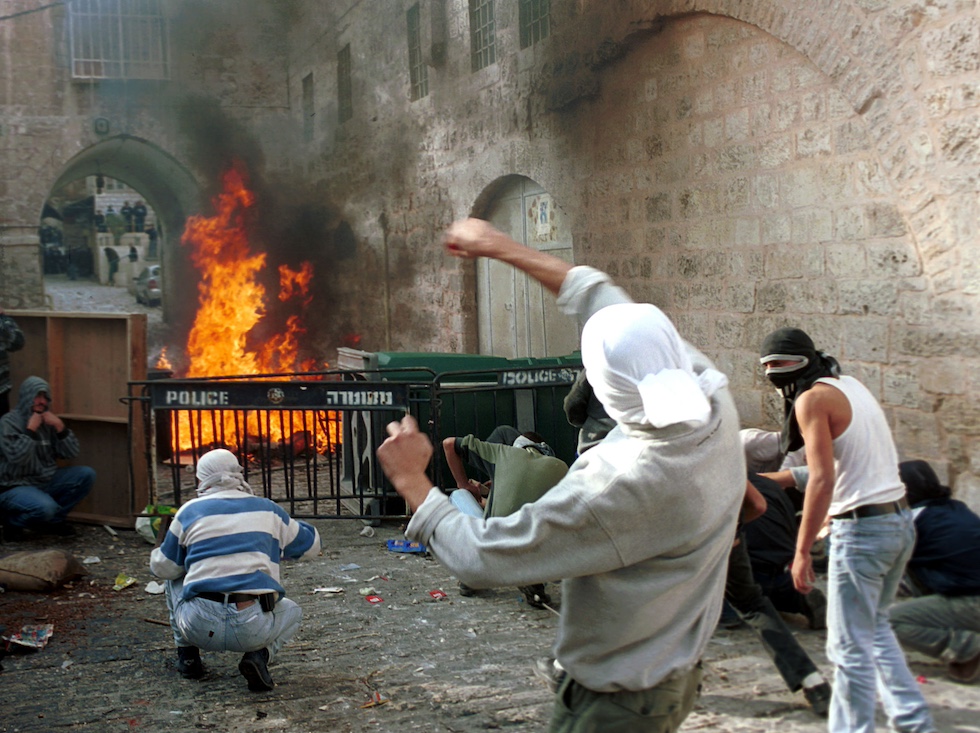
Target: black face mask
790, 344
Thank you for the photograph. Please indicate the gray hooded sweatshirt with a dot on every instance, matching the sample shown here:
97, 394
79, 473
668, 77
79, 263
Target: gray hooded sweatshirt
28, 457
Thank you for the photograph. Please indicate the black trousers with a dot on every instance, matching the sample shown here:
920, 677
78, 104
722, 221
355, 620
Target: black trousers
746, 596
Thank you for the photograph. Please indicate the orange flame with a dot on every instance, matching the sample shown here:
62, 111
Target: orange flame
163, 362
232, 301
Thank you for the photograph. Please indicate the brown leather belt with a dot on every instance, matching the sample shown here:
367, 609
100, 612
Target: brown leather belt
874, 510
228, 597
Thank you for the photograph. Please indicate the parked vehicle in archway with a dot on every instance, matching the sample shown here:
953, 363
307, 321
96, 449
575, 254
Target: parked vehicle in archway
149, 286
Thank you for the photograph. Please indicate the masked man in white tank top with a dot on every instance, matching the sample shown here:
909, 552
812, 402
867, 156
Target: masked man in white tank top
854, 479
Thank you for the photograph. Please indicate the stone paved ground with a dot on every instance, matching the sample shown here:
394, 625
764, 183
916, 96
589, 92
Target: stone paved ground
456, 665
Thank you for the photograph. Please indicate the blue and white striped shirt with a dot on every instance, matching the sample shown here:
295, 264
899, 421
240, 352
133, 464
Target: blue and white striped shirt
231, 542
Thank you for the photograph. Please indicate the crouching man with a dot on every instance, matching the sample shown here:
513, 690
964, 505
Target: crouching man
220, 558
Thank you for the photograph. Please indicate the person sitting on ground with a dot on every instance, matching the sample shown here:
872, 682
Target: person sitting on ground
11, 339
639, 528
220, 557
520, 472
945, 566
36, 494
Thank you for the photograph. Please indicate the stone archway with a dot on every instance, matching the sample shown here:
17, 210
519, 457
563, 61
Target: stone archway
167, 185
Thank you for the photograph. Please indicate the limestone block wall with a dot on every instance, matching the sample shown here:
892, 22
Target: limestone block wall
744, 165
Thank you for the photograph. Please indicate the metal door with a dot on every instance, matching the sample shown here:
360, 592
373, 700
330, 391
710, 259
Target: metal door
517, 317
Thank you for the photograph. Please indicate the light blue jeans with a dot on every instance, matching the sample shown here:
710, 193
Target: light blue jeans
466, 503
35, 506
867, 559
218, 627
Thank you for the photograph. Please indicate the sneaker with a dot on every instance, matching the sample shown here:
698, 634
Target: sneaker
818, 697
255, 670
535, 595
189, 662
967, 671
816, 609
547, 669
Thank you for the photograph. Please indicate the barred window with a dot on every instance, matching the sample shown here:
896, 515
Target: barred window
118, 39
535, 21
308, 107
418, 71
483, 42
345, 94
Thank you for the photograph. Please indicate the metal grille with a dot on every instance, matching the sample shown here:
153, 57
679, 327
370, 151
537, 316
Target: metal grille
535, 21
483, 43
118, 39
418, 71
310, 443
345, 94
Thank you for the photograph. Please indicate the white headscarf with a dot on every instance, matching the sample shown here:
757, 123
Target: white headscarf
761, 449
219, 470
640, 369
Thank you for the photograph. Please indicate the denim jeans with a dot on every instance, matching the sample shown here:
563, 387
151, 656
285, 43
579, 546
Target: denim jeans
867, 559
466, 503
217, 627
945, 627
34, 506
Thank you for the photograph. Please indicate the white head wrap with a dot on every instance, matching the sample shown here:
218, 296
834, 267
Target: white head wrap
219, 470
762, 451
640, 369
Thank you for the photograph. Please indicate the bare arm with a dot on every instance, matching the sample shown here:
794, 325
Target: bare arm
783, 478
455, 463
819, 412
472, 238
754, 504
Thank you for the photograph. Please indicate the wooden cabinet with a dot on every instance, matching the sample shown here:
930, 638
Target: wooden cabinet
88, 359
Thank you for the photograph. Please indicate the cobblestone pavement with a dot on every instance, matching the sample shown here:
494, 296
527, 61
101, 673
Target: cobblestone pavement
456, 664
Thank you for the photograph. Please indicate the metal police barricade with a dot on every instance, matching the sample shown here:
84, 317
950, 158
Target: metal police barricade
528, 398
296, 438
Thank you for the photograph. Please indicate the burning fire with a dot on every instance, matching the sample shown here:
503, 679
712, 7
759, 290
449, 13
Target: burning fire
231, 302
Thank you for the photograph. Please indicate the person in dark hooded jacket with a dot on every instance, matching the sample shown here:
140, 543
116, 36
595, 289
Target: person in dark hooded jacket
35, 493
944, 622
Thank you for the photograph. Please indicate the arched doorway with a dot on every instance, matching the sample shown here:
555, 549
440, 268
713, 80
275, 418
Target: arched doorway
165, 184
516, 317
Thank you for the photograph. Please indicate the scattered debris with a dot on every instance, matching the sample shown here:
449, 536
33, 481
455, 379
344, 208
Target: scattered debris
158, 623
31, 636
111, 531
437, 594
406, 546
91, 560
367, 591
349, 566
373, 599
331, 590
367, 532
376, 699
155, 588
123, 581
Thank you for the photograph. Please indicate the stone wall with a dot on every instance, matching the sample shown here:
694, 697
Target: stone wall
745, 165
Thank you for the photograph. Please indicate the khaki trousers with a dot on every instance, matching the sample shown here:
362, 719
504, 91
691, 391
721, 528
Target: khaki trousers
659, 709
